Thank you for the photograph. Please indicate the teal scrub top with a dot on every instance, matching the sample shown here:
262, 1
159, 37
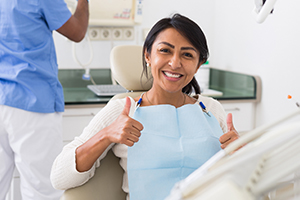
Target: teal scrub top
28, 64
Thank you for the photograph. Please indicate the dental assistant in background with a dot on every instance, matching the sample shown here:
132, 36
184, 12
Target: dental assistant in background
31, 96
155, 149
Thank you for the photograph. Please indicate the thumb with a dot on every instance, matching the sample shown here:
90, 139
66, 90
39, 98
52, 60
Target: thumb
230, 126
127, 106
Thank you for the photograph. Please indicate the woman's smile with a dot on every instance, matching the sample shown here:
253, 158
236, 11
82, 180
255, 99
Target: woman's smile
172, 76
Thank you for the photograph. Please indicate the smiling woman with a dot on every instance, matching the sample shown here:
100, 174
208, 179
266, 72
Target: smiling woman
187, 30
161, 138
174, 61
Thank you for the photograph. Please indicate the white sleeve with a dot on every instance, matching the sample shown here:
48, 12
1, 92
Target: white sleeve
64, 174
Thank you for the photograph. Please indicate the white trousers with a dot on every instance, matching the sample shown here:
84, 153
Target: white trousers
30, 142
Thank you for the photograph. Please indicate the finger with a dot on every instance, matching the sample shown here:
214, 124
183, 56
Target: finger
128, 139
127, 106
135, 132
133, 138
230, 126
225, 144
225, 137
129, 143
137, 125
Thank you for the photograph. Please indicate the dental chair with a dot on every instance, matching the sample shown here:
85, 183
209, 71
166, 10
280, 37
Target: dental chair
126, 67
269, 164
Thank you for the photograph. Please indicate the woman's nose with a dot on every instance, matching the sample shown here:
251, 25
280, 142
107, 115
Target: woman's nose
175, 62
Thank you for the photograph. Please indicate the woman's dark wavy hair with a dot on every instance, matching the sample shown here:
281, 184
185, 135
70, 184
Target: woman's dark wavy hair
191, 31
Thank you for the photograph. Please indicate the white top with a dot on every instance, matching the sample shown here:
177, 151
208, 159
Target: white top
64, 174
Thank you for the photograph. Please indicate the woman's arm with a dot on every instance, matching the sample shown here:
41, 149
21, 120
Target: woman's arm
124, 130
64, 174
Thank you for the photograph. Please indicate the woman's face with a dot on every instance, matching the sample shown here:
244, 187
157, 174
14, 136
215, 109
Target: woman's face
173, 60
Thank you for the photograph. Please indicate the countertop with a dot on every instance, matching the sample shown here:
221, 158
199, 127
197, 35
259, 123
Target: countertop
234, 86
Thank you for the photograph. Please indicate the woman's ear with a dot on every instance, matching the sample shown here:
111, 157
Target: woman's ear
147, 56
199, 65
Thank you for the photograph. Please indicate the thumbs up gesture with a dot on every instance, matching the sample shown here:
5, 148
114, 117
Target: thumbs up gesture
231, 135
124, 129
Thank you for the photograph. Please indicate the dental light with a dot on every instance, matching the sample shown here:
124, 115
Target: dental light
262, 9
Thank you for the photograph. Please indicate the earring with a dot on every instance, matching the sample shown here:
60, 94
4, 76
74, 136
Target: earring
148, 65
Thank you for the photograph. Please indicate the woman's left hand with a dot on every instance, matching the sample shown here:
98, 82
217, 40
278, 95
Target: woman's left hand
231, 135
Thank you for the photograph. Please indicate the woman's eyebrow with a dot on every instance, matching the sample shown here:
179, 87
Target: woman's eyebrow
182, 48
166, 43
188, 48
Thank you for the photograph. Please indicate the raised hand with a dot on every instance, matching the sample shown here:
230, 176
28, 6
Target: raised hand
124, 129
231, 135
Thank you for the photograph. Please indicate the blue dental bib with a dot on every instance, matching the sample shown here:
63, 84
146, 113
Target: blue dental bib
174, 143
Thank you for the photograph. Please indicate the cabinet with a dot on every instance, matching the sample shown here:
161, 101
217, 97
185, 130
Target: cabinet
75, 118
243, 115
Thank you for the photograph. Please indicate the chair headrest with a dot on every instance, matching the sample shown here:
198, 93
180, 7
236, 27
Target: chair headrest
127, 67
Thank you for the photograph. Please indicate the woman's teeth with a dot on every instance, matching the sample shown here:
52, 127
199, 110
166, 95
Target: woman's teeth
172, 75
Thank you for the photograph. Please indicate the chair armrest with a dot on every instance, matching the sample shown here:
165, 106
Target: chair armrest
106, 183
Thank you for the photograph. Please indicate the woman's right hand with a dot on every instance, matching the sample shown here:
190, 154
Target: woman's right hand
124, 129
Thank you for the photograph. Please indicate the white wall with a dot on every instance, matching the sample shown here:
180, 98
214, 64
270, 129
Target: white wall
270, 50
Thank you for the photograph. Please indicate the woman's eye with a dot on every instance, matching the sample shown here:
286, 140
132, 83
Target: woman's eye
164, 50
188, 55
